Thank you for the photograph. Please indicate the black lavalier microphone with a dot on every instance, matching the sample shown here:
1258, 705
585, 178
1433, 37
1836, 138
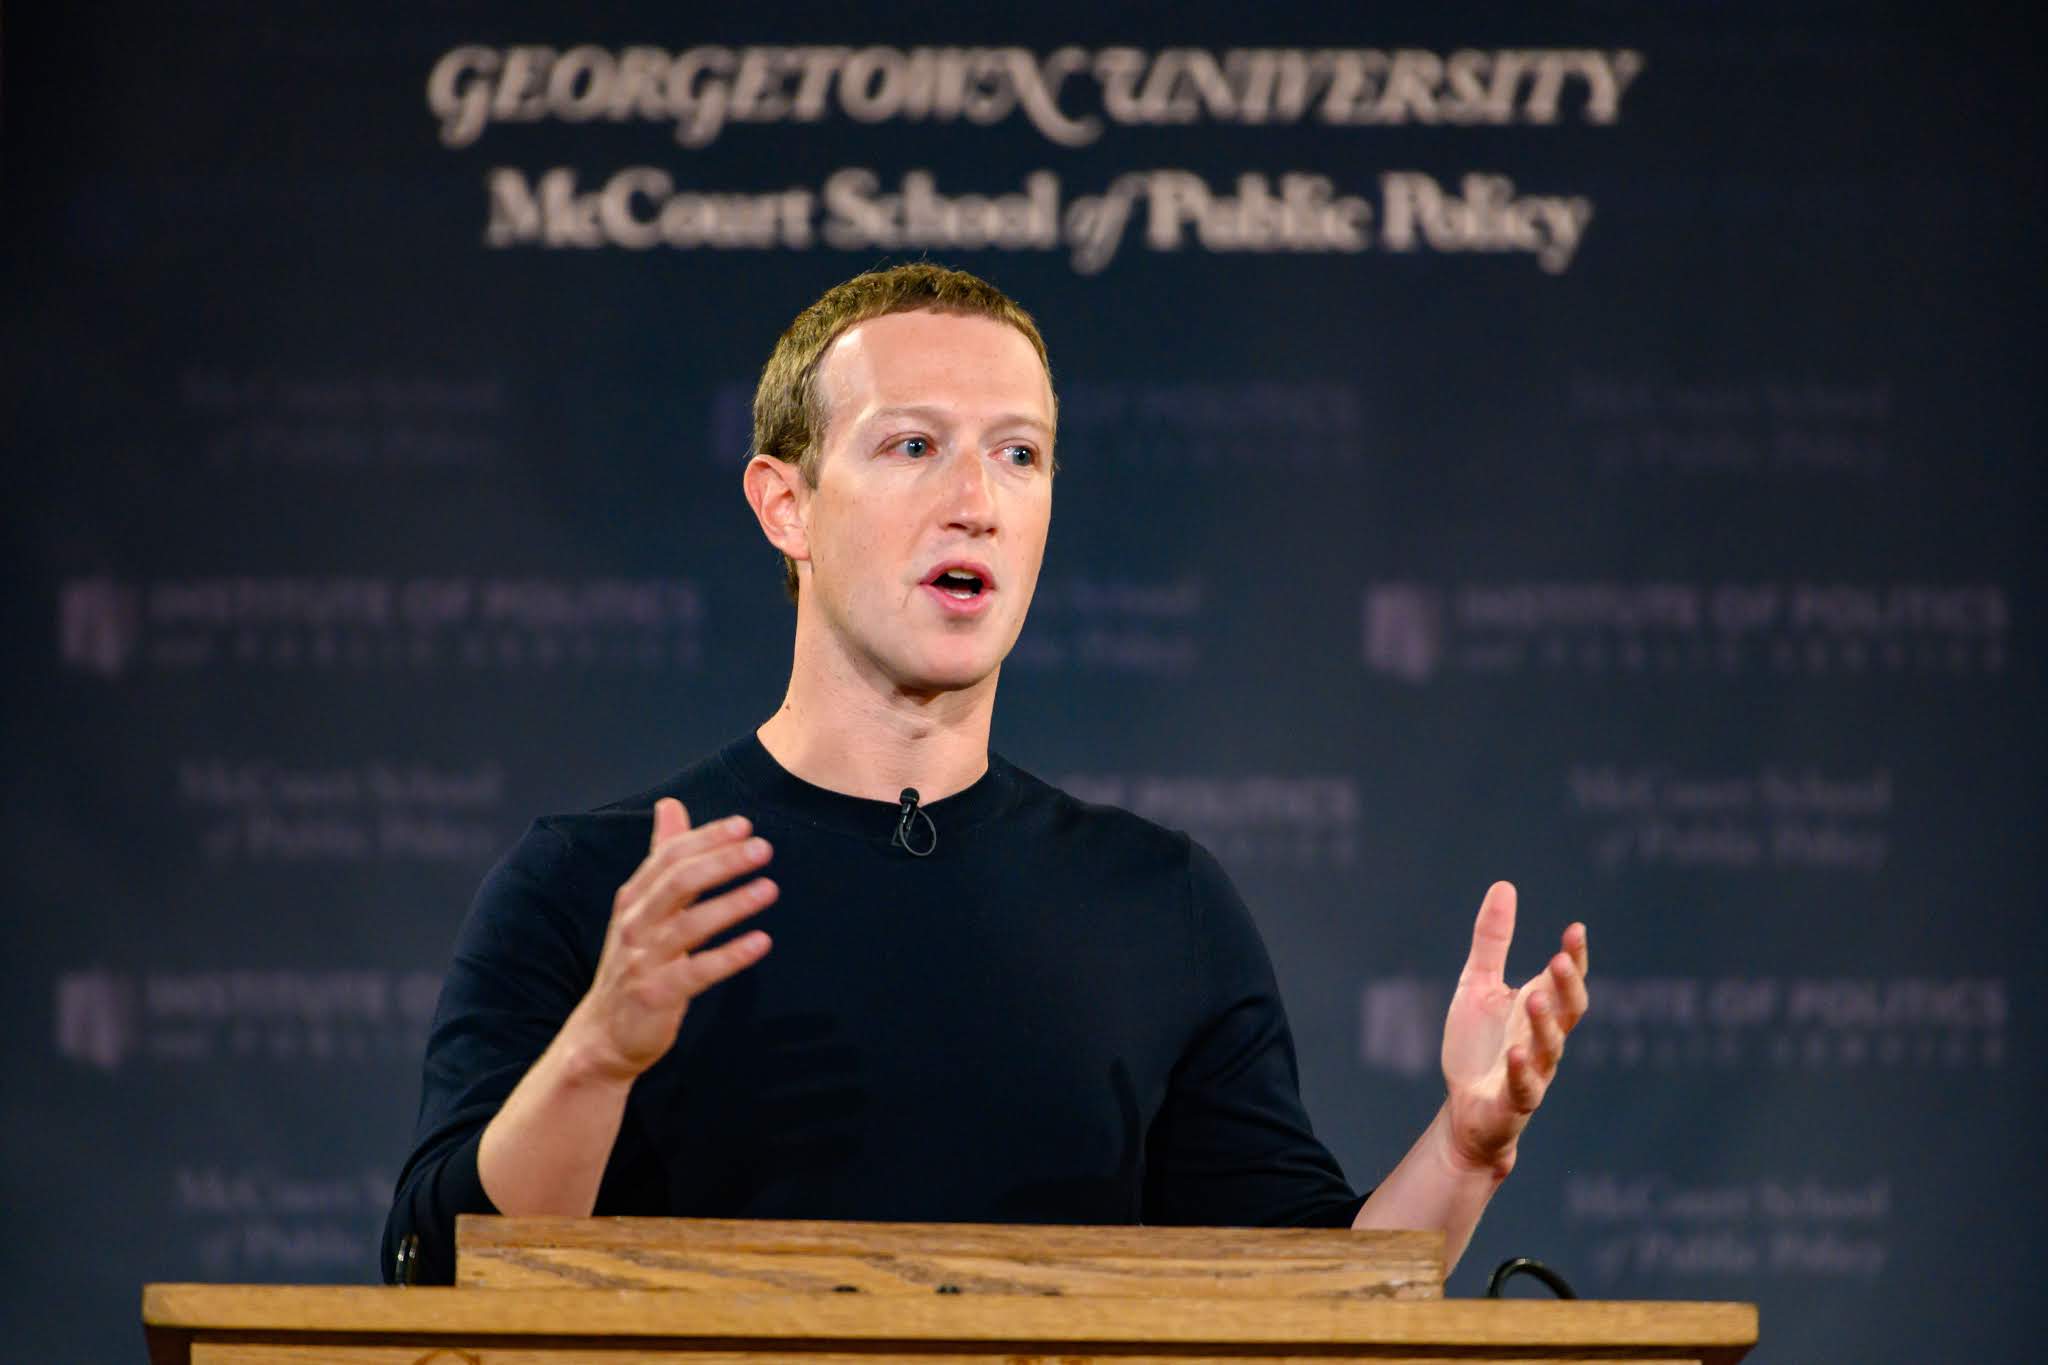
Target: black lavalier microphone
905, 827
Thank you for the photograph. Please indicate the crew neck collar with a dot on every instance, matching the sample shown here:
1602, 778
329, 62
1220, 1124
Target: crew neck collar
775, 786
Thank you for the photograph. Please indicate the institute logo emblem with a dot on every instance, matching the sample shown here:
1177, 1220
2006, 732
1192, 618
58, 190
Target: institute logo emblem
99, 624
1404, 630
96, 1014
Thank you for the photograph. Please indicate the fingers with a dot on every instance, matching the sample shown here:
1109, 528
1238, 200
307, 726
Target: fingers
669, 850
1492, 932
699, 972
1575, 943
707, 919
661, 923
1567, 985
1554, 1004
1525, 1083
686, 879
1546, 1033
671, 818
1536, 1062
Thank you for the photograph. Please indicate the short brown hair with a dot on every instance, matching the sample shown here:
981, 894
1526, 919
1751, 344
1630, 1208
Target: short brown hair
790, 417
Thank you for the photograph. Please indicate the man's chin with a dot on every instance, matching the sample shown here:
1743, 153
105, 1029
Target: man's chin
952, 673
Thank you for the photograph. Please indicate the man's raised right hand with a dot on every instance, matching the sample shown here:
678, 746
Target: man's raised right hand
649, 969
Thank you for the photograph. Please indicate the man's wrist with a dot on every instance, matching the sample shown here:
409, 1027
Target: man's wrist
1464, 1160
588, 1062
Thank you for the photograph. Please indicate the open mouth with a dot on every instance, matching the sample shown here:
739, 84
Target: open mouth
965, 588
960, 584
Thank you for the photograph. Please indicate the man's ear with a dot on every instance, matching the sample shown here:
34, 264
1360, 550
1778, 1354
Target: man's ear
780, 498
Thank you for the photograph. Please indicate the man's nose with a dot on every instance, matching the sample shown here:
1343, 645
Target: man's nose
970, 503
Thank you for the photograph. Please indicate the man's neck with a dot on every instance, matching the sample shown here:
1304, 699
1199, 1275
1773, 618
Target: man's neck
852, 734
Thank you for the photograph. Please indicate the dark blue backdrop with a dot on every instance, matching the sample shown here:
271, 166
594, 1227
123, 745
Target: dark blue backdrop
1597, 447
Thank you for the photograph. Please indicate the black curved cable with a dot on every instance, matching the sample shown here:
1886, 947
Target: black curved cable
1528, 1265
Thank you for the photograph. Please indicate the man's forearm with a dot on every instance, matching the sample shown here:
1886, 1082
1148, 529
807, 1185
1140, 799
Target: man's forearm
1431, 1188
545, 1151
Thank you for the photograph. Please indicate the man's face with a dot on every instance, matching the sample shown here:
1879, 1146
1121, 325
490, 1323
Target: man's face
937, 457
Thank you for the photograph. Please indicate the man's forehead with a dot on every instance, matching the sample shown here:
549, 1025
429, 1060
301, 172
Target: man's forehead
926, 359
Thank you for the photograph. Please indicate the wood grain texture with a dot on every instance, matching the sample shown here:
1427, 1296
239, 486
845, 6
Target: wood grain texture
756, 1256
488, 1323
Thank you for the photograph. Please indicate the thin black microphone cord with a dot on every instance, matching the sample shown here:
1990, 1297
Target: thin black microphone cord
1535, 1269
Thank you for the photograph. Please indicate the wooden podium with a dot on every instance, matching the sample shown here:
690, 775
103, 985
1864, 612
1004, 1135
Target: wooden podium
586, 1291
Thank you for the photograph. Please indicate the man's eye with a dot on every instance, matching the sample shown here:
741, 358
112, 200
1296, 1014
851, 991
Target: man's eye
915, 445
1021, 455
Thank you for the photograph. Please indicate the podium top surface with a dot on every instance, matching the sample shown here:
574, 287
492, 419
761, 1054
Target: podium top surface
775, 1256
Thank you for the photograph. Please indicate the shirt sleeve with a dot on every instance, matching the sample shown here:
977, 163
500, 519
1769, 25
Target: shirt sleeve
1232, 1145
523, 959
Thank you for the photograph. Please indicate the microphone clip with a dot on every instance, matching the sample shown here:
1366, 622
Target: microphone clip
906, 827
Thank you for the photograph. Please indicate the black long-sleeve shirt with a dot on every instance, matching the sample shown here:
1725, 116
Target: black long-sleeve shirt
1064, 1014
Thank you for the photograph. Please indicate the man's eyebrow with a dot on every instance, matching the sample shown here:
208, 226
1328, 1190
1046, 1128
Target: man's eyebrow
939, 416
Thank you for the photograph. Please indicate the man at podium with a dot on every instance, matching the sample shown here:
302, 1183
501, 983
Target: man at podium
986, 1001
